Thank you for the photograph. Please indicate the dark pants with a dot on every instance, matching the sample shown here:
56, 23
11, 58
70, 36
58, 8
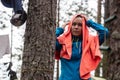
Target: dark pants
17, 5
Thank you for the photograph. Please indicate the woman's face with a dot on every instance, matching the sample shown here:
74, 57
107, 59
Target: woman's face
76, 28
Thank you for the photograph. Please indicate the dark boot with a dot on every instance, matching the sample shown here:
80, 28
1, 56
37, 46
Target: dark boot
19, 18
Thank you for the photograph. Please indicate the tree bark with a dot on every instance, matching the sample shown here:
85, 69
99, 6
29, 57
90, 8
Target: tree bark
97, 71
113, 57
39, 44
58, 12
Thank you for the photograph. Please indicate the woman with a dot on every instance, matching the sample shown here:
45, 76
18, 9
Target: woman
77, 46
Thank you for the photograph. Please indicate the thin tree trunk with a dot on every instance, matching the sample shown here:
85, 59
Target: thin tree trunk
58, 12
105, 54
58, 19
99, 12
97, 71
39, 41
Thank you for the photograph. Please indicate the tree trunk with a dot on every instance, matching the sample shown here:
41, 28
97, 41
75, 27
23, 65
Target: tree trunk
58, 13
105, 54
99, 12
113, 23
39, 44
97, 71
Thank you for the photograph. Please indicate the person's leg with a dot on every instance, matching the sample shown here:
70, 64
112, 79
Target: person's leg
17, 5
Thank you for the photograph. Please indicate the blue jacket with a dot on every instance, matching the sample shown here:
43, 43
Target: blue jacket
70, 68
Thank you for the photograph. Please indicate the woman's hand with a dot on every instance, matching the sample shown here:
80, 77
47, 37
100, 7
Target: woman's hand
85, 16
64, 25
